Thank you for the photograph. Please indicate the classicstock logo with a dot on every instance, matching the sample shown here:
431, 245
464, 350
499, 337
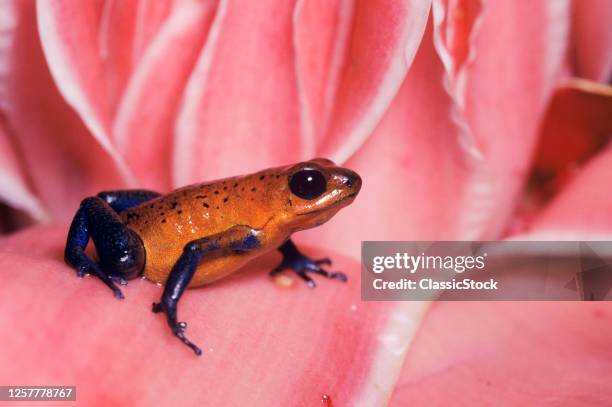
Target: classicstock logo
486, 270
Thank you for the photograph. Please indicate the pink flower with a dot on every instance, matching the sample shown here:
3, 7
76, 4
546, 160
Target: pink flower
442, 108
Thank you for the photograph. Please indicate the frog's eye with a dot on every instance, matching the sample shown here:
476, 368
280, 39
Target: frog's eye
308, 184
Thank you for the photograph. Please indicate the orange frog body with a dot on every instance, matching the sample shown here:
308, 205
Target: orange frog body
262, 201
203, 232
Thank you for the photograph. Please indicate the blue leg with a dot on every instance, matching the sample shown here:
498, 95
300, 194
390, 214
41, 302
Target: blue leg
128, 198
120, 250
293, 259
238, 238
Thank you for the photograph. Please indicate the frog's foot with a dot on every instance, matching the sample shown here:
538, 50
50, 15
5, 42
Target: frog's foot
301, 264
94, 269
177, 328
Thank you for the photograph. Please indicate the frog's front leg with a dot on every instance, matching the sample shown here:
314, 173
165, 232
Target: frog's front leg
238, 238
300, 264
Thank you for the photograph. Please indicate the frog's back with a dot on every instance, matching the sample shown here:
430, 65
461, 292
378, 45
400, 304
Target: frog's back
166, 224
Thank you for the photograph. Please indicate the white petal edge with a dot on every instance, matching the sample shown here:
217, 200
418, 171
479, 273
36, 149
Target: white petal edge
62, 73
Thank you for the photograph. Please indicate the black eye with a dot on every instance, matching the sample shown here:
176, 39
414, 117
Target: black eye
308, 184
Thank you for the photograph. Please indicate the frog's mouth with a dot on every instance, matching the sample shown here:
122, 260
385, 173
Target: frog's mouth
337, 203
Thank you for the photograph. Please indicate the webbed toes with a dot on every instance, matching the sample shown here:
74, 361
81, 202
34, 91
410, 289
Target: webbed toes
338, 275
302, 265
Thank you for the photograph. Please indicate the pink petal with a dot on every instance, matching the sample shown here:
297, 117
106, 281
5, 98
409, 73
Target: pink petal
351, 60
456, 26
592, 39
416, 176
62, 160
321, 35
528, 353
501, 95
575, 129
276, 95
144, 122
262, 344
125, 31
92, 56
14, 190
582, 210
510, 354
240, 111
78, 69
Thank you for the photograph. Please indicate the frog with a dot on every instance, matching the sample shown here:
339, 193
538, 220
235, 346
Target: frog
200, 233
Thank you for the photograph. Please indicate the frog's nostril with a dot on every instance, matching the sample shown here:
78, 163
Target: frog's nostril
349, 179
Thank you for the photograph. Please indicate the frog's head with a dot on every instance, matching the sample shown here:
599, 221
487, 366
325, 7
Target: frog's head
316, 190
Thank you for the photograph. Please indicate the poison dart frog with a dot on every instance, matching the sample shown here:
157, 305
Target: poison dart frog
200, 233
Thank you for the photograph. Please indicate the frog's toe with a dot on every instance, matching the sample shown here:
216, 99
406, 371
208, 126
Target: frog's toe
84, 270
326, 260
109, 281
117, 293
119, 279
278, 269
309, 281
94, 270
338, 275
181, 336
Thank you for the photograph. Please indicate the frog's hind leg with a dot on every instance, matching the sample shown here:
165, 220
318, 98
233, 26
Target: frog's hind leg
300, 264
238, 239
120, 250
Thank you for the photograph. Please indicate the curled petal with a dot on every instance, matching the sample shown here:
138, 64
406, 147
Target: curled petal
335, 73
239, 112
456, 25
520, 51
63, 161
143, 125
413, 169
77, 68
349, 67
321, 35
